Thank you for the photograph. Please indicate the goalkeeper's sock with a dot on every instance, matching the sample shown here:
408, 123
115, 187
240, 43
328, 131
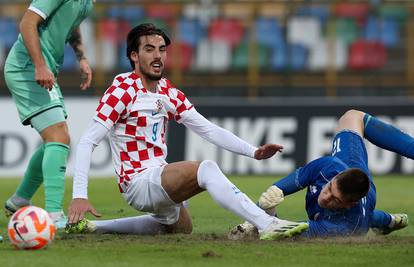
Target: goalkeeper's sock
380, 219
228, 196
33, 177
388, 137
139, 225
54, 167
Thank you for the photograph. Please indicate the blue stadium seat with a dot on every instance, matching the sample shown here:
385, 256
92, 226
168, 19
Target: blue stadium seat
268, 32
114, 12
278, 58
390, 34
133, 13
371, 30
123, 60
190, 31
318, 11
8, 32
70, 61
298, 57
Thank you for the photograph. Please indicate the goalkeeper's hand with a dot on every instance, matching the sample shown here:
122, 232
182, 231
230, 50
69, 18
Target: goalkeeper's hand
271, 198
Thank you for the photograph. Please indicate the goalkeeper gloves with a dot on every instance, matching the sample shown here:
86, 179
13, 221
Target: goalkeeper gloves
270, 199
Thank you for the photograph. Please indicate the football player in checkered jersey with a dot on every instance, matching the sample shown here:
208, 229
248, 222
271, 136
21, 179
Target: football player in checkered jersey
134, 112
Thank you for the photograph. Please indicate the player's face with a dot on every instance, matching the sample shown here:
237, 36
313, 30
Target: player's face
151, 57
331, 198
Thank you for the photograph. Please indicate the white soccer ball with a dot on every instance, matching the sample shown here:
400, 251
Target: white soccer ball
31, 228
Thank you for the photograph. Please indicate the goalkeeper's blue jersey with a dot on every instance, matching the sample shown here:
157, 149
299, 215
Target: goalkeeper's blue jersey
348, 152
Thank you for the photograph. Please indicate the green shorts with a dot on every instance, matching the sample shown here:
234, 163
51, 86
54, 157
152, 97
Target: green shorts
30, 98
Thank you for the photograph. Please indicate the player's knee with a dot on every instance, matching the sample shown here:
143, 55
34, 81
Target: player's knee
57, 133
352, 114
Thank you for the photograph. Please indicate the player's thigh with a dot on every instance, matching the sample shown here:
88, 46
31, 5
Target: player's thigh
29, 97
179, 180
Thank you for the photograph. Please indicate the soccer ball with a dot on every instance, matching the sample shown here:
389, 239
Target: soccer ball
31, 228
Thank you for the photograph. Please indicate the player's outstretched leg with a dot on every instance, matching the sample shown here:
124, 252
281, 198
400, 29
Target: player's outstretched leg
228, 196
398, 221
32, 179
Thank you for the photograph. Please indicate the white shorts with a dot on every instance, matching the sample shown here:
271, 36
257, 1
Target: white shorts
145, 193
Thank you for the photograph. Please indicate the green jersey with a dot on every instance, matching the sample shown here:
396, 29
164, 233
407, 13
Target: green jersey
61, 17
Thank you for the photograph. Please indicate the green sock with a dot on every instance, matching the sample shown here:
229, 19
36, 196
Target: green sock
54, 167
33, 177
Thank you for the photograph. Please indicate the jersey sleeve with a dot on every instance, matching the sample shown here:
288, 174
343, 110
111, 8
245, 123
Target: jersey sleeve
115, 102
181, 103
301, 178
45, 8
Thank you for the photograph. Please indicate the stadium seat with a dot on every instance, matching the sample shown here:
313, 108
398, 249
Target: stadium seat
87, 28
268, 32
114, 30
384, 30
190, 31
8, 31
240, 59
107, 58
213, 56
367, 55
298, 57
304, 30
358, 11
180, 55
318, 11
230, 31
346, 30
279, 57
238, 10
114, 12
70, 61
205, 12
319, 55
123, 60
133, 13
163, 11
394, 12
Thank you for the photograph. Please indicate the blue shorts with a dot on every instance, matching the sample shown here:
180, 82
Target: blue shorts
349, 147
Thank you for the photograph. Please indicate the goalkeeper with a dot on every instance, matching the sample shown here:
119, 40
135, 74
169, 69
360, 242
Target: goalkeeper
341, 195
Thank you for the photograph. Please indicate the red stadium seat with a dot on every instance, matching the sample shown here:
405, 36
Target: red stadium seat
182, 57
114, 30
162, 11
230, 31
366, 55
359, 11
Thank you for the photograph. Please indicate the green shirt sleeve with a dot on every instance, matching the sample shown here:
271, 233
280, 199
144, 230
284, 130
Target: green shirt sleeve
45, 7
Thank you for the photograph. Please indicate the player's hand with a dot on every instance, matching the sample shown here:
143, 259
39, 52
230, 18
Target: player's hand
267, 151
77, 209
86, 74
44, 77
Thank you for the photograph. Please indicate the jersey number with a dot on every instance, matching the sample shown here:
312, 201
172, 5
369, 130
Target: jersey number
336, 146
154, 131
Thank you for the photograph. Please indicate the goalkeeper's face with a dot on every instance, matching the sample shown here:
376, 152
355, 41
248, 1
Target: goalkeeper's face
152, 54
331, 197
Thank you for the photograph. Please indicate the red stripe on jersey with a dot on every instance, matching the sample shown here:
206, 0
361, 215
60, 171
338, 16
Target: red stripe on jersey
132, 146
112, 101
130, 129
126, 98
142, 121
124, 156
181, 109
114, 116
102, 117
124, 86
158, 152
143, 154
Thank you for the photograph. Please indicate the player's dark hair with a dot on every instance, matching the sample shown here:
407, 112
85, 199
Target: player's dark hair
145, 29
353, 184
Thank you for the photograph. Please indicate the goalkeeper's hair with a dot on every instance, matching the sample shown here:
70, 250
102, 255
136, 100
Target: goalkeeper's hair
144, 29
353, 184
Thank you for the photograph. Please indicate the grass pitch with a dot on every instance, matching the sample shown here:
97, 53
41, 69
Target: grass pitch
208, 245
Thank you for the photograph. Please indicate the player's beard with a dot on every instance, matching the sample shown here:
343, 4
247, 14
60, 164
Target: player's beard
149, 75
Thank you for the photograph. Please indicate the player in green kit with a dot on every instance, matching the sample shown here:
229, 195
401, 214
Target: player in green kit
30, 72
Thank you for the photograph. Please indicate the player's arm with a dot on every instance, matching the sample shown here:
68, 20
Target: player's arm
80, 205
225, 139
75, 42
292, 183
29, 31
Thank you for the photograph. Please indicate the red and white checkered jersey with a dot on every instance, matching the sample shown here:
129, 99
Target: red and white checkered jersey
137, 120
